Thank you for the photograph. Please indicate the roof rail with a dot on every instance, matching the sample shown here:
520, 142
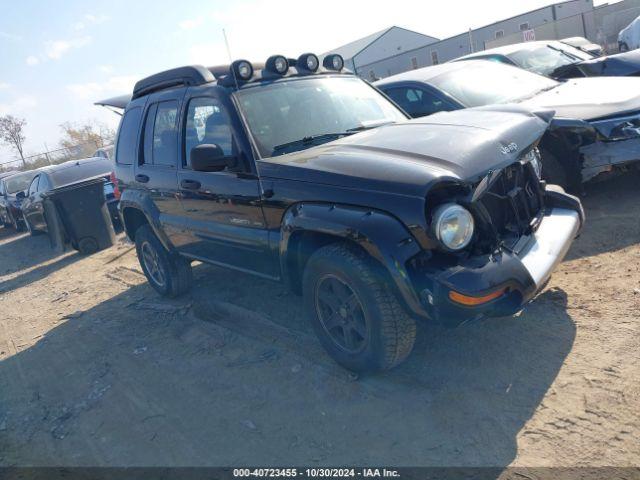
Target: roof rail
183, 76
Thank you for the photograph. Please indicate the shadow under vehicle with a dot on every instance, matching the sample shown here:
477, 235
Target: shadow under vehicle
376, 220
595, 129
12, 192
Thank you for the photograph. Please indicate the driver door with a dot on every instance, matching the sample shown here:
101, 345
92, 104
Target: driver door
224, 221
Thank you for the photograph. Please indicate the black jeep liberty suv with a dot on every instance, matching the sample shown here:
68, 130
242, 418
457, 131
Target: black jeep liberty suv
297, 171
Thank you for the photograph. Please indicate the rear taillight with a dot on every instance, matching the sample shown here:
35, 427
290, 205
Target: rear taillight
114, 180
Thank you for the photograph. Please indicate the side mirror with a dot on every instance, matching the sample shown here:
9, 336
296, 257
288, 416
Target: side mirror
210, 158
21, 194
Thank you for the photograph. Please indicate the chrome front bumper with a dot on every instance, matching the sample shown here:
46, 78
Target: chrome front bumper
549, 244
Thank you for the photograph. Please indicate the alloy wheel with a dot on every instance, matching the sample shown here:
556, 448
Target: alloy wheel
341, 314
153, 265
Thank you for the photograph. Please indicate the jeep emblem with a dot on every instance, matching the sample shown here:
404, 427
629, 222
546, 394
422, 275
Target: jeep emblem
507, 149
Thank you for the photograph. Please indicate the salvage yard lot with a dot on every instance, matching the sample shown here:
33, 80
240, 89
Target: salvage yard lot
96, 369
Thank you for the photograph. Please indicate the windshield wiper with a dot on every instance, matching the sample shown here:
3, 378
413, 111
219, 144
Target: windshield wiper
311, 140
369, 126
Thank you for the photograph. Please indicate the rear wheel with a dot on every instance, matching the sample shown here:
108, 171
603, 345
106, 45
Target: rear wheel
169, 274
354, 312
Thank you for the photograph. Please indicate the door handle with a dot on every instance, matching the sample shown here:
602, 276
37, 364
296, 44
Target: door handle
190, 184
142, 178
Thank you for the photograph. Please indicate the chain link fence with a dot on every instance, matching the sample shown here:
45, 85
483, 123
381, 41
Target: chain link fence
53, 157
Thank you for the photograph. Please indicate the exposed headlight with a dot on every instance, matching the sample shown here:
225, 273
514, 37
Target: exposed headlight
622, 128
535, 159
453, 226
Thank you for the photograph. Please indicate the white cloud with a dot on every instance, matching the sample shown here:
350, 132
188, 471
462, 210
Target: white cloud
55, 49
10, 36
19, 105
106, 68
190, 24
32, 60
96, 19
79, 26
4, 86
114, 85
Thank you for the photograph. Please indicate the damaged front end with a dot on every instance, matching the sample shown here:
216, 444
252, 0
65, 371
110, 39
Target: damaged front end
590, 148
524, 228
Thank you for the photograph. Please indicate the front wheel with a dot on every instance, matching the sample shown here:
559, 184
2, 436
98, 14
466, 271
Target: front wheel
169, 274
354, 312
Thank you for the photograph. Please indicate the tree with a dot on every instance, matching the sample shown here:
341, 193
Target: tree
12, 133
82, 140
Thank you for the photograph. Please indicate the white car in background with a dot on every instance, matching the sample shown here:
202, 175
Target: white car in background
629, 37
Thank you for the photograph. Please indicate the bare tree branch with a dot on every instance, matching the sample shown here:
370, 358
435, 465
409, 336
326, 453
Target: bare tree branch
12, 133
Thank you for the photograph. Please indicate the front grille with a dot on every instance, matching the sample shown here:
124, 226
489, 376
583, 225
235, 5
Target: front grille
513, 204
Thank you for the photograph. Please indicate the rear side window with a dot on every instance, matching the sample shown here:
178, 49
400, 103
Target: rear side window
161, 134
128, 136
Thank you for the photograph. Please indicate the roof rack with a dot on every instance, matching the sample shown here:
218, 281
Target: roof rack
183, 76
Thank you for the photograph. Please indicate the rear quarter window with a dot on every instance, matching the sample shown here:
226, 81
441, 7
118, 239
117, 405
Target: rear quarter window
128, 137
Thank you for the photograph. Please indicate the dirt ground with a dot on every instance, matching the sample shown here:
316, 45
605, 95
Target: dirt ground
97, 370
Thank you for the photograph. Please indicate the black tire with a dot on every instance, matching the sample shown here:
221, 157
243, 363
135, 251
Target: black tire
175, 278
553, 171
389, 332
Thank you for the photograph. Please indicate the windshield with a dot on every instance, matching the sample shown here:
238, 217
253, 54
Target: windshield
312, 110
19, 183
546, 59
484, 83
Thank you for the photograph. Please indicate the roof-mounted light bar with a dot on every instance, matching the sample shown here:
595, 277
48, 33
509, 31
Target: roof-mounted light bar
277, 64
333, 62
242, 69
308, 61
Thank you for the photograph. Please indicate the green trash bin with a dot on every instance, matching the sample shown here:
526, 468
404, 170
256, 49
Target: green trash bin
78, 215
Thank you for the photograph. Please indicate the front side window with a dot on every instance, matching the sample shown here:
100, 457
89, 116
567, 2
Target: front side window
295, 114
207, 123
484, 83
33, 188
161, 134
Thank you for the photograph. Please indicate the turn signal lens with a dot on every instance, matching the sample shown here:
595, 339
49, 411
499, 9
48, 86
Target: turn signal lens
474, 301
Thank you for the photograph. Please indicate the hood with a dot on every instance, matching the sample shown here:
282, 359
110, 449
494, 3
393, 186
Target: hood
590, 98
619, 65
407, 158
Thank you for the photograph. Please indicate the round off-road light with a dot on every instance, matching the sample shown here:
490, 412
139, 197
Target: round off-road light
308, 61
453, 226
333, 62
277, 64
242, 69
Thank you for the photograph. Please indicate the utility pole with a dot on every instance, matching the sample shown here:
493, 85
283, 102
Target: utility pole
46, 153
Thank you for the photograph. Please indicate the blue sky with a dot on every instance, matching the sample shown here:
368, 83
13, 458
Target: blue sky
57, 58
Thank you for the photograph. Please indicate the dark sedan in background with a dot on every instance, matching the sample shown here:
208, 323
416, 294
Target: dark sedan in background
12, 191
62, 175
558, 60
596, 127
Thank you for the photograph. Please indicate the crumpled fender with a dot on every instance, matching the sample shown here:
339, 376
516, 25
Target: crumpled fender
132, 198
383, 236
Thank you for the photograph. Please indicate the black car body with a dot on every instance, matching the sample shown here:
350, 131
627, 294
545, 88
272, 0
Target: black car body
288, 175
13, 188
596, 126
62, 175
561, 61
